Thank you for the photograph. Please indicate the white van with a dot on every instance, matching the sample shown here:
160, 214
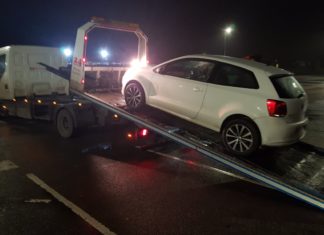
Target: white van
21, 75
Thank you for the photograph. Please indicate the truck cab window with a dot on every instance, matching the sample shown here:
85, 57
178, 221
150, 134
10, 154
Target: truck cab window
2, 65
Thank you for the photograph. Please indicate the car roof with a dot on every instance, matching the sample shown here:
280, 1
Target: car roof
241, 62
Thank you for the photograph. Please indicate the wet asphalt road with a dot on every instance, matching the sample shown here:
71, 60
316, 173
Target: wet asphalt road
314, 87
130, 191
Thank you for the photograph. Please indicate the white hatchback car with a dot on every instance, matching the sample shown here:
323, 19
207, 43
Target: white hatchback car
249, 103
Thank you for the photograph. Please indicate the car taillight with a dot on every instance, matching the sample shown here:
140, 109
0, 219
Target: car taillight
277, 108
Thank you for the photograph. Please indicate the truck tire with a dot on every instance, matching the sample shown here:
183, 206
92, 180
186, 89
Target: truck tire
134, 96
65, 124
241, 137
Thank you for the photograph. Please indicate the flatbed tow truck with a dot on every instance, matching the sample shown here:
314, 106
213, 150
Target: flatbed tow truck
295, 171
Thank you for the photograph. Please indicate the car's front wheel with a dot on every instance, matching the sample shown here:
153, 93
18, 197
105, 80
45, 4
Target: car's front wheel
134, 96
241, 137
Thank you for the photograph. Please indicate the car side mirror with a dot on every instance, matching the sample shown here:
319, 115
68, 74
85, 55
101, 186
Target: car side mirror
160, 70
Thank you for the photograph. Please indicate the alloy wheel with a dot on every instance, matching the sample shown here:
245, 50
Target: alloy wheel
133, 96
239, 138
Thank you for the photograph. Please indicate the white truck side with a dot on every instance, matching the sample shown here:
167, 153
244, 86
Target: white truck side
21, 75
30, 89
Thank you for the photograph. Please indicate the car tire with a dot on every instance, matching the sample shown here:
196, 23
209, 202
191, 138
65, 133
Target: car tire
241, 137
65, 124
134, 96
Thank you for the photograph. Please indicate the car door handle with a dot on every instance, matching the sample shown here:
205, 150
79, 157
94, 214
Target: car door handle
196, 89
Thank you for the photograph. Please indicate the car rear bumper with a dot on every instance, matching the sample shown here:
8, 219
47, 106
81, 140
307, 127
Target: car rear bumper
277, 132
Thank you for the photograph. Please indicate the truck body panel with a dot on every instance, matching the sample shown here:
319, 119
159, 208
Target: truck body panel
23, 76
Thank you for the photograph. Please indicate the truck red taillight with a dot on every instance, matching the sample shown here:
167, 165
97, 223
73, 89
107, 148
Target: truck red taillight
137, 134
143, 132
276, 108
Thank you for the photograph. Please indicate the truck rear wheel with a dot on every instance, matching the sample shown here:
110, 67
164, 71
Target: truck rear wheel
65, 124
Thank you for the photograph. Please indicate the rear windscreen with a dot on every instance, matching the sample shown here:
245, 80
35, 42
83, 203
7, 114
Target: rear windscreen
287, 86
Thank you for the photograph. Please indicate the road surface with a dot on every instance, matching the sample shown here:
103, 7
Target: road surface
118, 189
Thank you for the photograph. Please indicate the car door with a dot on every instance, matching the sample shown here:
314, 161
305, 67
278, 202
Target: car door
180, 86
229, 88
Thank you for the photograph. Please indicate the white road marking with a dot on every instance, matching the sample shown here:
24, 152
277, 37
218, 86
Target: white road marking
6, 165
77, 210
38, 201
208, 168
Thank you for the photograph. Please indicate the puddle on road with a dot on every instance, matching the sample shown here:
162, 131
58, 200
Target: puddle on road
46, 201
308, 170
297, 165
97, 149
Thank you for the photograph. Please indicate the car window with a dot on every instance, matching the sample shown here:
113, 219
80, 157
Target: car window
176, 69
2, 65
194, 69
230, 75
287, 86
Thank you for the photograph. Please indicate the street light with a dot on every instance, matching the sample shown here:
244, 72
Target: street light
104, 54
228, 30
67, 51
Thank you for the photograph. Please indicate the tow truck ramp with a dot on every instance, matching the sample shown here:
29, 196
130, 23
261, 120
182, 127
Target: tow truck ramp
245, 168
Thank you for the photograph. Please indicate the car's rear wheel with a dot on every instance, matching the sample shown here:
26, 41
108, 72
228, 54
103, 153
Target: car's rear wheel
134, 96
241, 137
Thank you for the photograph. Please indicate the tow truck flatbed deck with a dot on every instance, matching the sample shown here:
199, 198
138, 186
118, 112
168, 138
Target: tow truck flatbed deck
113, 98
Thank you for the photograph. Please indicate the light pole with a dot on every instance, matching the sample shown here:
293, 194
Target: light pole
228, 30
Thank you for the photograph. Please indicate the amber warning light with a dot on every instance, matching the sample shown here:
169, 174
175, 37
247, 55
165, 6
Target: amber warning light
130, 135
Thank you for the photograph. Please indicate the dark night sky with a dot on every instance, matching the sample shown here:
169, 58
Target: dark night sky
273, 29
